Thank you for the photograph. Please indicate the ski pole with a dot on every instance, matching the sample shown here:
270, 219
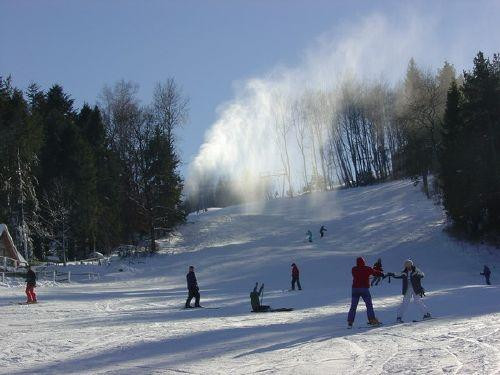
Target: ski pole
262, 295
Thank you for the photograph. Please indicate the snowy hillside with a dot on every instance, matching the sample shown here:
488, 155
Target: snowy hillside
132, 322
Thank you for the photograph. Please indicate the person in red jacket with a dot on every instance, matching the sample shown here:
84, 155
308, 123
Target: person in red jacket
295, 276
361, 288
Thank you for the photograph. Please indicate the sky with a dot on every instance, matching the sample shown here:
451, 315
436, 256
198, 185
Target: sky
212, 48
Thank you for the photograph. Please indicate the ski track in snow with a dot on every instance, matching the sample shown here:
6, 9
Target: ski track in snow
133, 322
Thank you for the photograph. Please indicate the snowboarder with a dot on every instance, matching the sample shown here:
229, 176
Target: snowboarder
361, 288
412, 286
295, 276
322, 231
30, 285
193, 290
486, 273
377, 267
256, 301
309, 236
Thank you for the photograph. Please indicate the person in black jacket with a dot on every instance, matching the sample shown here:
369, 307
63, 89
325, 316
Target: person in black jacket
30, 285
486, 273
193, 290
412, 286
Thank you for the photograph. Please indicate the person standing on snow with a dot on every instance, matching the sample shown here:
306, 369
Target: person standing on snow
377, 267
255, 299
412, 286
361, 288
193, 290
322, 231
309, 235
295, 276
30, 285
486, 273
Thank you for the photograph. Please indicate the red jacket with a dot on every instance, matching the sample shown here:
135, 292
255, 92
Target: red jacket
361, 274
295, 271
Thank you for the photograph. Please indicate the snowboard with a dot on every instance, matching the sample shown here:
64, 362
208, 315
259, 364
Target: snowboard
422, 320
201, 307
23, 303
368, 326
282, 309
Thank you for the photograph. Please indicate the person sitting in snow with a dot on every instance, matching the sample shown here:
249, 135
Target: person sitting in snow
30, 285
412, 286
377, 267
486, 273
322, 231
309, 236
255, 299
361, 288
295, 276
193, 290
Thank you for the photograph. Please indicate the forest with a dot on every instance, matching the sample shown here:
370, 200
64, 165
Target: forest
74, 181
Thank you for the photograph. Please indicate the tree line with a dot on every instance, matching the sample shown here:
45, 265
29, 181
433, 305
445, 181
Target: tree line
74, 181
360, 133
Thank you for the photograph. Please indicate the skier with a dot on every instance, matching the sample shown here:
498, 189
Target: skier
378, 267
309, 236
295, 276
193, 290
255, 299
412, 286
30, 285
361, 288
322, 231
486, 273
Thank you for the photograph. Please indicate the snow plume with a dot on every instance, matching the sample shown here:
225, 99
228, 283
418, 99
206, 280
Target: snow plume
245, 145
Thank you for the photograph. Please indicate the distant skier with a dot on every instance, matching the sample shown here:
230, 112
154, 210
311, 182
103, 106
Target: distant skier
322, 231
193, 290
30, 285
361, 288
377, 267
412, 286
309, 236
295, 276
486, 273
255, 299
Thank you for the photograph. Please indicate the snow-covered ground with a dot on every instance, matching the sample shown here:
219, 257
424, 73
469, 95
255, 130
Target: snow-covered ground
132, 322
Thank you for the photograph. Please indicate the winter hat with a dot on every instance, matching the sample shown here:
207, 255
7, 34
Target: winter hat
408, 263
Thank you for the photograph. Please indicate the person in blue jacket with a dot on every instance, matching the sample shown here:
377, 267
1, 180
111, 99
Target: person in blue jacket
486, 273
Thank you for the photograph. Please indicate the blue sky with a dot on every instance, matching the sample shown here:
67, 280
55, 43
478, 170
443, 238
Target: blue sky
207, 46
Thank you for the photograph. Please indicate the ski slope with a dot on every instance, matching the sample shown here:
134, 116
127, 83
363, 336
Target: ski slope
132, 322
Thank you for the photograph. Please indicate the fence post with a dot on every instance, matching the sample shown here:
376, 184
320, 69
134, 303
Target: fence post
4, 263
54, 277
69, 276
3, 277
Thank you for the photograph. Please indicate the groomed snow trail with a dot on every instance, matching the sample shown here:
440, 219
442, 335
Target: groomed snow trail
132, 322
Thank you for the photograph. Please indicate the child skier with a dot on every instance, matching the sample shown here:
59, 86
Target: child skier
255, 299
30, 285
322, 231
295, 276
486, 273
309, 236
412, 286
193, 290
377, 267
361, 288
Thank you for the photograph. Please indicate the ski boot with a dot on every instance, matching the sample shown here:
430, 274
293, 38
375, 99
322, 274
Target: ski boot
349, 324
427, 316
374, 322
399, 320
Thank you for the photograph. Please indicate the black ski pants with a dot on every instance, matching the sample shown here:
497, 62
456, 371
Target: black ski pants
296, 280
193, 293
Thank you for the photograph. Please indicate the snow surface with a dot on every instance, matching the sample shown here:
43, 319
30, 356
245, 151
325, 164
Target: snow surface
132, 322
